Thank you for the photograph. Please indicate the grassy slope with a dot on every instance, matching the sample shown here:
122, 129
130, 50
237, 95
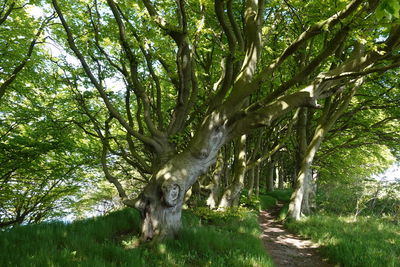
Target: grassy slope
221, 240
365, 242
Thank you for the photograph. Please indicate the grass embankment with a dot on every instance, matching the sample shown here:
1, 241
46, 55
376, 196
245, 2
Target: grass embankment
210, 239
362, 242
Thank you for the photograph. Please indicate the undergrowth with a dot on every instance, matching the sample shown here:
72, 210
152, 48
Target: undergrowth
218, 239
282, 195
365, 241
270, 199
265, 200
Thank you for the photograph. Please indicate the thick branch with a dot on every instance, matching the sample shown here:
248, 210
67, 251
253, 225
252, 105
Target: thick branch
171, 30
253, 19
278, 146
249, 87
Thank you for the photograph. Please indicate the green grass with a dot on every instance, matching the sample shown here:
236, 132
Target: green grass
224, 239
267, 202
365, 242
283, 212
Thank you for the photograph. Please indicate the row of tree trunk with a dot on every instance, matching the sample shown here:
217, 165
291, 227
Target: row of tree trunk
286, 167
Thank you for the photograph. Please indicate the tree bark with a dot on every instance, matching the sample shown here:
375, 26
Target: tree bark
251, 182
215, 184
281, 179
232, 193
301, 182
270, 175
257, 180
305, 205
332, 111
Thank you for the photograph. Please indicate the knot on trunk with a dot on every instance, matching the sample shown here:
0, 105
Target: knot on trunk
171, 193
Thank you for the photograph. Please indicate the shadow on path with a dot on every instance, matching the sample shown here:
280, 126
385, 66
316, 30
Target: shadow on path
286, 249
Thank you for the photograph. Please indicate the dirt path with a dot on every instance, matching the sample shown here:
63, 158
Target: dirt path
286, 249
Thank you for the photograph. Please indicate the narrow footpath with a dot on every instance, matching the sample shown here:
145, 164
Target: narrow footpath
286, 249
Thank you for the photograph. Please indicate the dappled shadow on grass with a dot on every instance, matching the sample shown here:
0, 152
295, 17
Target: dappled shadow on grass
361, 242
113, 241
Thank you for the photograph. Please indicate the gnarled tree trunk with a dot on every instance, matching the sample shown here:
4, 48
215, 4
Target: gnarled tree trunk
161, 201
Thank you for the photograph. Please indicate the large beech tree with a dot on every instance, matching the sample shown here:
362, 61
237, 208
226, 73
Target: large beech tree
207, 72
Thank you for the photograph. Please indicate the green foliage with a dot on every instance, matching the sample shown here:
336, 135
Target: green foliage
351, 165
112, 241
270, 199
366, 241
52, 120
282, 195
44, 158
99, 198
250, 202
365, 197
208, 215
388, 9
14, 43
265, 200
338, 198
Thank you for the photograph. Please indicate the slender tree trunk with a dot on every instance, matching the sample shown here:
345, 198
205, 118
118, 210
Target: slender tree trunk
257, 180
280, 180
215, 185
312, 192
293, 177
251, 182
277, 175
226, 169
233, 191
270, 175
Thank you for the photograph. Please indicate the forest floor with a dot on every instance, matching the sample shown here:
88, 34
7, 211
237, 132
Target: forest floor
285, 248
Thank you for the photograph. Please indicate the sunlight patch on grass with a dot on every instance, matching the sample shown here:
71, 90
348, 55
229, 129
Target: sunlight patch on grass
130, 242
162, 248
